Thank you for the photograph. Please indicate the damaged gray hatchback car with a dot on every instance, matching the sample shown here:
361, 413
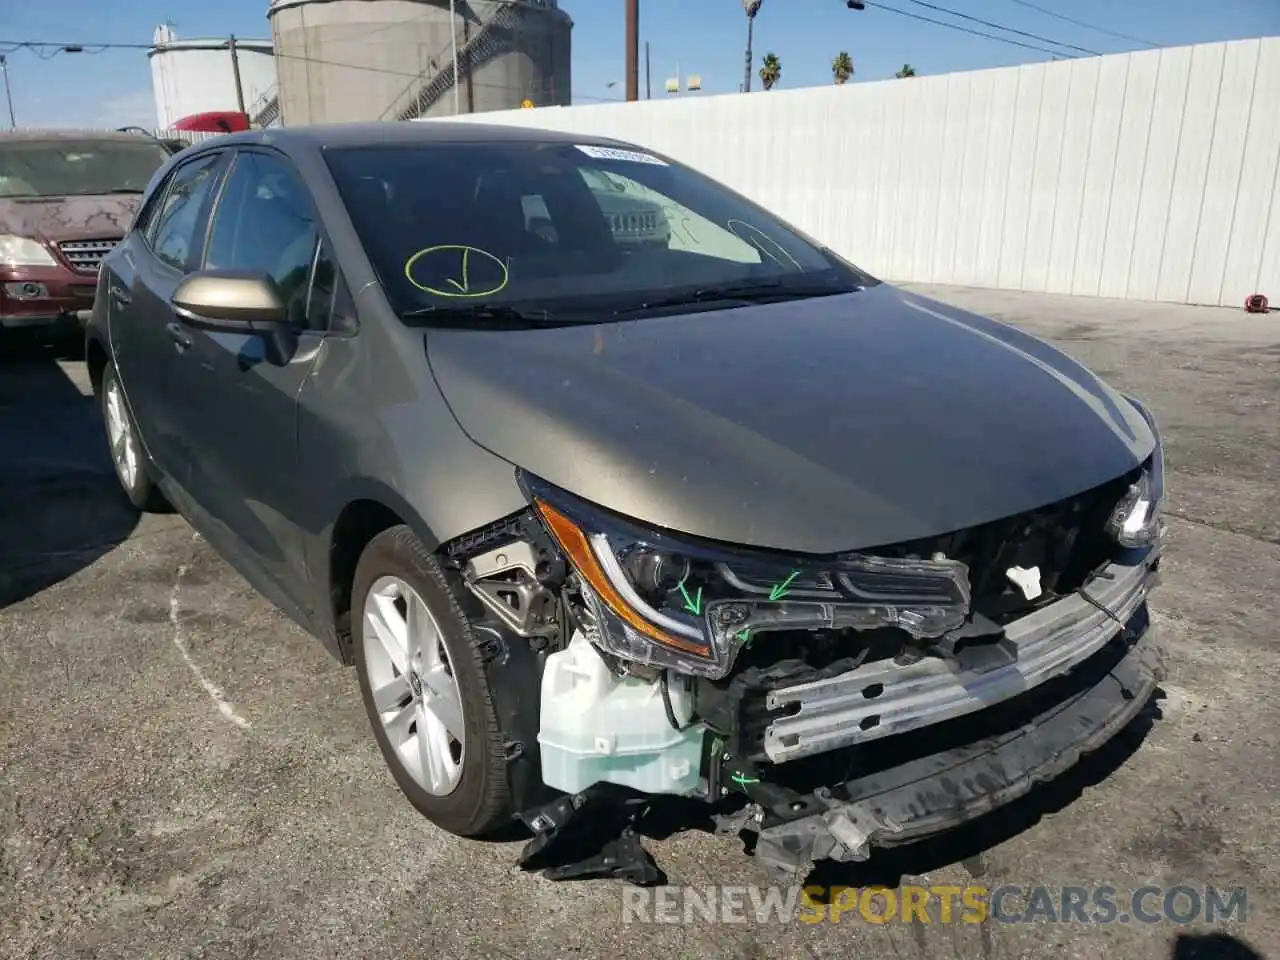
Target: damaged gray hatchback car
601, 521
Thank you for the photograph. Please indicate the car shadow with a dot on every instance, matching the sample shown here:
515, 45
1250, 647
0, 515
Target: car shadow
60, 505
1212, 946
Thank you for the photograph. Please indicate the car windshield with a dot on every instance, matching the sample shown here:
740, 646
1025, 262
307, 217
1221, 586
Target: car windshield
489, 231
70, 168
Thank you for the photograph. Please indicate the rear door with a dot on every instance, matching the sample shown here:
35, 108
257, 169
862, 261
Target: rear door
244, 403
161, 249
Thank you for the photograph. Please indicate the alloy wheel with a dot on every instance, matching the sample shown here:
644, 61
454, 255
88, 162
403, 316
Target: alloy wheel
124, 447
412, 683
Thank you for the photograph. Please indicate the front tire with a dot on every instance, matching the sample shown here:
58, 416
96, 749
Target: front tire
424, 688
133, 467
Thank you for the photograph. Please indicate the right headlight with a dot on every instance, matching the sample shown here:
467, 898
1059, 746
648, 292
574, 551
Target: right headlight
672, 602
18, 251
1135, 521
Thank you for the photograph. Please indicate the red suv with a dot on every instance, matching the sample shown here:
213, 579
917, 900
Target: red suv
66, 198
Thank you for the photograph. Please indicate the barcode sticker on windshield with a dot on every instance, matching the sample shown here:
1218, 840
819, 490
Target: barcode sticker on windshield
613, 153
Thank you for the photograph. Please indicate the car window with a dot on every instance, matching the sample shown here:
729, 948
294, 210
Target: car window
641, 215
173, 230
537, 218
565, 229
146, 214
265, 221
43, 167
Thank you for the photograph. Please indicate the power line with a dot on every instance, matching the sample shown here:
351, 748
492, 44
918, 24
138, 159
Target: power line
1087, 26
956, 26
47, 49
996, 26
82, 47
36, 46
545, 86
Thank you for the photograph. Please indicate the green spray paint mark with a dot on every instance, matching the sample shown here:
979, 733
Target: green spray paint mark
744, 637
445, 258
691, 603
779, 590
742, 780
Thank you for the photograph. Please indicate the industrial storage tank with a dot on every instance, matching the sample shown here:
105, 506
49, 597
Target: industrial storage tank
351, 60
198, 76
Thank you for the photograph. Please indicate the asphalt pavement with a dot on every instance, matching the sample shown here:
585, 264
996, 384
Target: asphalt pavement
183, 773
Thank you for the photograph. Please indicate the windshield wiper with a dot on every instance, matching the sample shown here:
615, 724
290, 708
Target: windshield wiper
759, 291
489, 315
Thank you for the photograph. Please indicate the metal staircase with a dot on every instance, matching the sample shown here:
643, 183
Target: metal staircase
490, 40
266, 109
269, 114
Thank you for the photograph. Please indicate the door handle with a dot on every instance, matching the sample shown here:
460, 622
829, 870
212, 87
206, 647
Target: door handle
120, 296
178, 335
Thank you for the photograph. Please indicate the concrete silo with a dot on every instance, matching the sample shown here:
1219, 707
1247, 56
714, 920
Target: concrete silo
349, 60
197, 75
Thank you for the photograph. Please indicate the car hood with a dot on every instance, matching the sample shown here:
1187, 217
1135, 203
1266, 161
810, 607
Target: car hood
56, 219
815, 426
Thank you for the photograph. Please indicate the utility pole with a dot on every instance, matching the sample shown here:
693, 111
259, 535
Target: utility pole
453, 42
633, 50
235, 72
471, 86
750, 8
648, 88
8, 94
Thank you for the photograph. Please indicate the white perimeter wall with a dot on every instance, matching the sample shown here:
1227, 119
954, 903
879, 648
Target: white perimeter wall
1150, 176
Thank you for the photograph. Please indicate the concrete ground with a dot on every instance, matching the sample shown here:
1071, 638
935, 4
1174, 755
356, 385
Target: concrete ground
184, 774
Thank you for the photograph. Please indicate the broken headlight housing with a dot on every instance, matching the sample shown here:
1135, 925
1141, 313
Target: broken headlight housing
670, 601
1135, 520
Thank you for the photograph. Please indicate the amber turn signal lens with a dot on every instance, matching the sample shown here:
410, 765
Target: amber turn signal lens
578, 549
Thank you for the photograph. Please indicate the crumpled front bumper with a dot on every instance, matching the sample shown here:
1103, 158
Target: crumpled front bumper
884, 698
935, 793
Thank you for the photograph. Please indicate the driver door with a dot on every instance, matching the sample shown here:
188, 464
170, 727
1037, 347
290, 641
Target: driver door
157, 254
245, 398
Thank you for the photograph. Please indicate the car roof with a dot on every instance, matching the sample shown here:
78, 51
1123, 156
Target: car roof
404, 133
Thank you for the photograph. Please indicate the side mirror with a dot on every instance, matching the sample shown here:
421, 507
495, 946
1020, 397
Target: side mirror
229, 301
237, 301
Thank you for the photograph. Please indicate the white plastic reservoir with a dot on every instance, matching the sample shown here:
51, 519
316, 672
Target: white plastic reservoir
596, 726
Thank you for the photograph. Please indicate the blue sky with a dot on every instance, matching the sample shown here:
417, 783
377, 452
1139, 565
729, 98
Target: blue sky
699, 36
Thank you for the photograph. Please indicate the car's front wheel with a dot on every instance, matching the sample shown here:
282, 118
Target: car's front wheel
133, 468
424, 687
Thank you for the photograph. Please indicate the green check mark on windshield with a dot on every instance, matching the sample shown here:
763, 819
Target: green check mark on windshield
491, 281
465, 285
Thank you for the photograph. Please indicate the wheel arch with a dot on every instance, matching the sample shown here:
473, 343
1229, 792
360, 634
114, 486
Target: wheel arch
96, 358
368, 508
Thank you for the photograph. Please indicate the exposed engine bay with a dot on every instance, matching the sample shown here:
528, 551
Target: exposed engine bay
822, 706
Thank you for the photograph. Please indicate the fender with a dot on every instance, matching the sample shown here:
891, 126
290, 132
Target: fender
318, 548
353, 489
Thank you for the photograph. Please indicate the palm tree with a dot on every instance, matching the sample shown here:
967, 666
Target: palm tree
842, 67
751, 8
907, 71
770, 71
